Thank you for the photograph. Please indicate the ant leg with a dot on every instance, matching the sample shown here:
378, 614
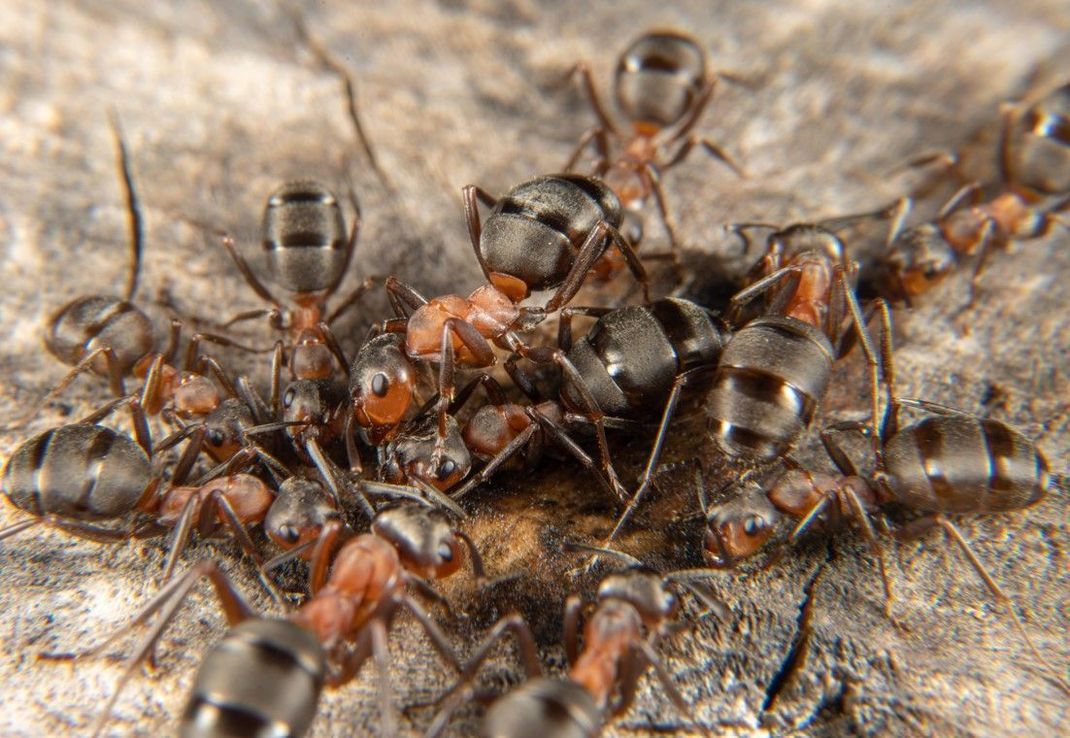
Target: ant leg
824, 500
594, 412
247, 273
521, 379
564, 441
586, 256
490, 386
663, 677
90, 532
321, 554
356, 466
207, 362
472, 196
741, 299
653, 180
655, 451
168, 602
151, 391
874, 546
221, 340
583, 69
334, 347
133, 206
598, 137
564, 322
872, 363
352, 299
272, 314
507, 452
86, 364
513, 623
482, 354
933, 407
573, 606
434, 633
174, 339
971, 192
327, 468
461, 692
986, 248
276, 380
898, 220
402, 295
180, 535
381, 656
189, 454
997, 592
710, 148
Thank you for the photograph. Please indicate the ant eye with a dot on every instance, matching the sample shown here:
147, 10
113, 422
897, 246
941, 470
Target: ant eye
445, 552
447, 468
215, 437
288, 398
753, 525
289, 534
380, 384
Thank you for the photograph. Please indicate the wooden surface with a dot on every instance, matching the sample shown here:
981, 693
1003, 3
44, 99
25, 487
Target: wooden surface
220, 101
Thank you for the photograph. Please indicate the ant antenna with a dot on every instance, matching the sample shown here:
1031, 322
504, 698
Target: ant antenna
133, 205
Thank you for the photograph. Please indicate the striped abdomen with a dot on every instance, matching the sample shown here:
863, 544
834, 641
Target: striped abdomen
547, 708
772, 375
963, 464
263, 679
89, 323
304, 237
535, 229
631, 356
81, 471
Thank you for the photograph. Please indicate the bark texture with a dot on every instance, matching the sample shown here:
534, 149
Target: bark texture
221, 101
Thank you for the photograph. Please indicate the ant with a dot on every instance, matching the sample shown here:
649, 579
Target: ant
78, 475
308, 254
635, 608
325, 640
948, 463
661, 87
1034, 157
775, 370
111, 336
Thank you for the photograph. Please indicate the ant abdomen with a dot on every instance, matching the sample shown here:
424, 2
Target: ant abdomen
88, 323
962, 464
536, 228
769, 381
659, 79
304, 237
263, 678
80, 471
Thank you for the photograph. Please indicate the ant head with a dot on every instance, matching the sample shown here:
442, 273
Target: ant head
418, 452
223, 429
644, 589
919, 259
739, 527
301, 508
424, 538
802, 237
381, 382
659, 80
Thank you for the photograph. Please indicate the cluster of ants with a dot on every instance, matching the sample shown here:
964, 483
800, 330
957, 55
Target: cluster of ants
296, 464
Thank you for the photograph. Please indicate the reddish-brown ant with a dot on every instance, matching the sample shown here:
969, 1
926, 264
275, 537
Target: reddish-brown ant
661, 86
327, 639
